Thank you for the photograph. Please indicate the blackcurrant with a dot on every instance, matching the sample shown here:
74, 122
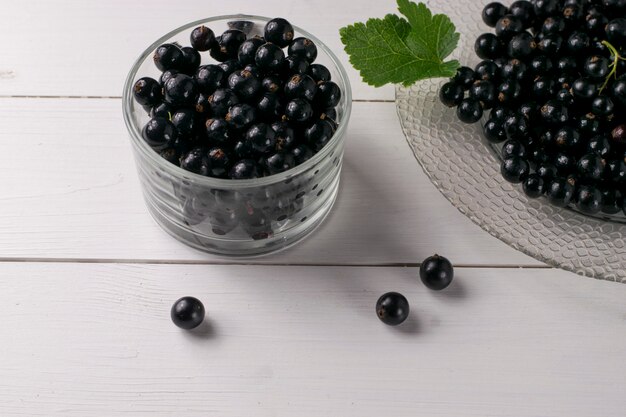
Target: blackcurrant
279, 31
560, 191
269, 57
187, 313
304, 48
209, 78
533, 186
469, 110
244, 169
241, 115
488, 46
168, 56
392, 308
451, 94
493, 12
436, 272
588, 199
159, 132
180, 90
147, 91
202, 38
514, 169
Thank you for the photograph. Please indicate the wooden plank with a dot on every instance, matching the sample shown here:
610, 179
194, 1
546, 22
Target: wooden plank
92, 340
56, 48
70, 190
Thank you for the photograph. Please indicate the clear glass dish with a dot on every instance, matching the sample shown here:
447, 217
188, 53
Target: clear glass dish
237, 217
466, 169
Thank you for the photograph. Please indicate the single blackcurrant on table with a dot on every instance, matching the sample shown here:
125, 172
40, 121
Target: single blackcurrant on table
436, 272
392, 308
187, 313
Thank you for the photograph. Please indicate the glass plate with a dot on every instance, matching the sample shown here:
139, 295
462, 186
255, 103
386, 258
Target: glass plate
466, 170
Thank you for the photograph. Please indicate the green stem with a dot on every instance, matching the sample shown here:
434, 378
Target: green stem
616, 57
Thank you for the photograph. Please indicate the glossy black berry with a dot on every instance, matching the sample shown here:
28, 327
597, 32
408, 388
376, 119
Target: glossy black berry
588, 199
166, 75
516, 127
567, 64
508, 26
227, 45
261, 138
618, 92
303, 47
218, 162
469, 111
184, 121
578, 43
392, 308
279, 31
560, 191
584, 88
488, 46
319, 72
543, 87
436, 272
278, 162
552, 25
616, 32
301, 153
487, 70
272, 84
168, 56
202, 106
327, 95
567, 138
159, 132
244, 169
191, 60
298, 110
564, 162
554, 113
612, 200
218, 132
599, 145
162, 110
295, 65
187, 313
247, 51
269, 106
591, 167
550, 45
180, 90
494, 130
524, 10
546, 171
514, 169
484, 92
596, 67
545, 7
318, 134
513, 147
464, 77
540, 65
209, 78
147, 91
451, 94
493, 12
244, 84
509, 92
241, 115
229, 66
285, 136
602, 106
303, 86
269, 58
521, 45
202, 38
221, 101
533, 186
195, 161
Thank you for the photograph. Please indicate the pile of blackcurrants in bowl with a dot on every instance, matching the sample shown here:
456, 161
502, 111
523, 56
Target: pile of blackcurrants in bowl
553, 77
255, 112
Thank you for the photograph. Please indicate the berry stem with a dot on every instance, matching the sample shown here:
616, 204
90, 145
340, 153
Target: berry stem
616, 58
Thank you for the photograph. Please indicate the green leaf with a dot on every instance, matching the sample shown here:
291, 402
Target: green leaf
402, 51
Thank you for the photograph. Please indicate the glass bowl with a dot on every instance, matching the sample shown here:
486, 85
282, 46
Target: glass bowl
237, 217
466, 169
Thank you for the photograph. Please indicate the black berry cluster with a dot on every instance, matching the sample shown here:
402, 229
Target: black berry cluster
257, 110
554, 79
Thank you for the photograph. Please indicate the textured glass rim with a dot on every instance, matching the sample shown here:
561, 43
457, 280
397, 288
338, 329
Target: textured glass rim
157, 160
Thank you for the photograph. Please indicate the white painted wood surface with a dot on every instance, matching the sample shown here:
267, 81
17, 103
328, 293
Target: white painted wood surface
96, 340
72, 192
89, 334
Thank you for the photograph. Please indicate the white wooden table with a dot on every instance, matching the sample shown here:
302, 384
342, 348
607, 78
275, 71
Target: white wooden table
87, 278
